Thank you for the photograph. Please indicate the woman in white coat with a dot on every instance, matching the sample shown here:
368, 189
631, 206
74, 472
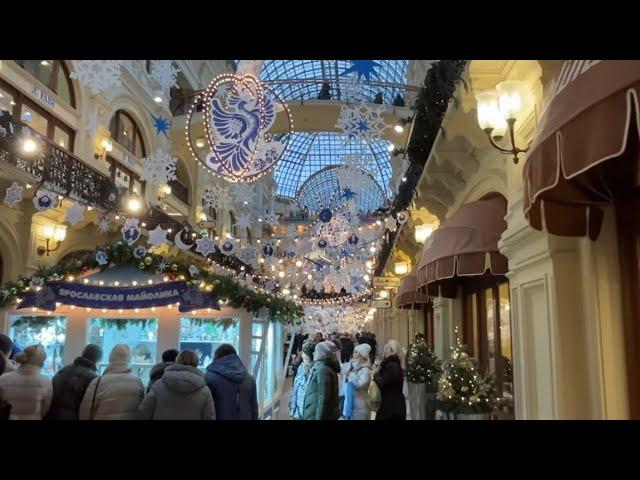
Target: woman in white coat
360, 376
28, 392
117, 393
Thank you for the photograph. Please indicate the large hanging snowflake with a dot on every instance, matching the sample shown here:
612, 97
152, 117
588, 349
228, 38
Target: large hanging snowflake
13, 194
217, 196
159, 168
361, 161
164, 73
351, 179
104, 225
361, 121
271, 218
97, 75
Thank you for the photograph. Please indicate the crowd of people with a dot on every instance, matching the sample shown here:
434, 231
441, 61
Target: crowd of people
177, 389
337, 379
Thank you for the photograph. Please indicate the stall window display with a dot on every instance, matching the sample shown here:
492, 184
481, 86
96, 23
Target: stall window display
140, 334
205, 335
270, 367
48, 331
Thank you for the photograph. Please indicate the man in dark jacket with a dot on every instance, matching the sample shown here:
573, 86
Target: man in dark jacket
321, 397
232, 387
168, 359
70, 384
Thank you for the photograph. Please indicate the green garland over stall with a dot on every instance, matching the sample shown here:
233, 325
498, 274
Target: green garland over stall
120, 254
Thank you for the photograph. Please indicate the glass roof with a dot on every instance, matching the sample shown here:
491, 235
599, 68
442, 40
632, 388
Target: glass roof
326, 189
303, 79
310, 152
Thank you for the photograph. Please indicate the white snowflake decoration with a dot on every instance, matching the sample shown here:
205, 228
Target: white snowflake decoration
162, 266
157, 236
361, 121
243, 221
360, 161
271, 218
193, 271
164, 73
217, 196
402, 217
104, 225
248, 254
205, 246
352, 178
97, 75
44, 200
159, 168
75, 214
131, 230
390, 224
13, 194
92, 122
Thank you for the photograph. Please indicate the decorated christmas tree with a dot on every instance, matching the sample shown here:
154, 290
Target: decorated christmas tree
462, 388
422, 364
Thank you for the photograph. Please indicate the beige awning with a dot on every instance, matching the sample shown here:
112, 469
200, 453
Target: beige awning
586, 148
409, 296
466, 244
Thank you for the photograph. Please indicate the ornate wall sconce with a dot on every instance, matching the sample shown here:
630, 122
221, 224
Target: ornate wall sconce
52, 232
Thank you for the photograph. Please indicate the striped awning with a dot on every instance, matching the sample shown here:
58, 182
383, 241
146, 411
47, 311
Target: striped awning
409, 296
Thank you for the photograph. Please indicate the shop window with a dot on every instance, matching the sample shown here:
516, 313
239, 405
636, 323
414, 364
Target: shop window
125, 178
487, 327
48, 331
270, 367
126, 132
36, 117
54, 75
205, 335
140, 334
180, 187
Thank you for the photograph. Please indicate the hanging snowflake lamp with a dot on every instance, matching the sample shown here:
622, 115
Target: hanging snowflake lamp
239, 111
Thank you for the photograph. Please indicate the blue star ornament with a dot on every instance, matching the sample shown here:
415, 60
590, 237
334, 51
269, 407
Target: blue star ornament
364, 68
161, 124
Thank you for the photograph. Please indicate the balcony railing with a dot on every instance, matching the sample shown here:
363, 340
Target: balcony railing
53, 167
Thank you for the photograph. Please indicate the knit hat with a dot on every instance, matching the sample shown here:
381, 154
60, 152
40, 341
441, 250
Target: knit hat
32, 355
120, 353
92, 352
364, 349
308, 348
323, 349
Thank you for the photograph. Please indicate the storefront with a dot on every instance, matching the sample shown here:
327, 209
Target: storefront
418, 307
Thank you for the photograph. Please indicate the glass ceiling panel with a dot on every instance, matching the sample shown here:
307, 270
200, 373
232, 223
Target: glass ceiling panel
310, 152
303, 79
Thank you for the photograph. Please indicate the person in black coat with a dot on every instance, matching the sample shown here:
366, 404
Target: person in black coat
5, 407
346, 349
70, 384
168, 359
389, 379
232, 387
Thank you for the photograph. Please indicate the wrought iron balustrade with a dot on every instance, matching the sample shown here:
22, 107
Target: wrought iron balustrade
53, 167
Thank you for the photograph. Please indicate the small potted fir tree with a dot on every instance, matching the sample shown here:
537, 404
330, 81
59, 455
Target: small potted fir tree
463, 392
423, 369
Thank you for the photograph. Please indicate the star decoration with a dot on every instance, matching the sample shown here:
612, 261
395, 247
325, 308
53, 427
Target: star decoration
161, 124
104, 225
13, 194
162, 266
363, 68
157, 236
243, 221
347, 194
205, 246
74, 214
390, 224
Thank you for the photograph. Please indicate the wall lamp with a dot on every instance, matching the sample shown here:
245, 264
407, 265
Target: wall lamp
52, 232
106, 146
399, 127
498, 111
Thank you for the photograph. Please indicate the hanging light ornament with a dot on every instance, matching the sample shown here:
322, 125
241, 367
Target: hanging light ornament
239, 111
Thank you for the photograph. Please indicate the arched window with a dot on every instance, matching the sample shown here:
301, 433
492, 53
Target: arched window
234, 229
126, 132
54, 75
180, 187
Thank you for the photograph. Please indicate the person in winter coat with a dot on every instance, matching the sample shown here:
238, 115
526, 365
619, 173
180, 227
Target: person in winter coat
5, 407
6, 350
390, 378
346, 349
70, 384
116, 394
181, 393
232, 387
360, 376
321, 397
300, 382
168, 358
28, 392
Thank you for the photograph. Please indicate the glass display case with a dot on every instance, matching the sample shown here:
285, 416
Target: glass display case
205, 335
48, 331
271, 365
140, 334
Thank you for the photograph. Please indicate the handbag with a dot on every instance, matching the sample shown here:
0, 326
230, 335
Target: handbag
375, 397
92, 412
